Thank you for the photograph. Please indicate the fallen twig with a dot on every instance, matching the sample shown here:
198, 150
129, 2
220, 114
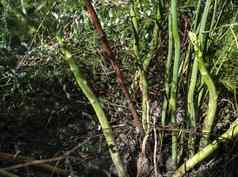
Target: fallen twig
4, 173
26, 161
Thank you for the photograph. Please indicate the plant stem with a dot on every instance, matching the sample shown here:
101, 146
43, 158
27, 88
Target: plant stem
195, 24
213, 16
145, 65
173, 92
211, 111
192, 85
155, 40
167, 74
106, 128
208, 150
145, 101
203, 24
202, 29
190, 103
195, 68
135, 27
110, 56
143, 81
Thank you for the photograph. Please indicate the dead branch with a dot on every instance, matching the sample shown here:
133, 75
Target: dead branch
110, 56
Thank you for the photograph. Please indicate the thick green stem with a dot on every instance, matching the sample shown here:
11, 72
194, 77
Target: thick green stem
191, 90
201, 37
211, 111
106, 128
212, 105
191, 106
208, 150
193, 81
167, 73
173, 92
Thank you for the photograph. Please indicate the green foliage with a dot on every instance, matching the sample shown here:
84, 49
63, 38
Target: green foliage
225, 58
3, 28
139, 33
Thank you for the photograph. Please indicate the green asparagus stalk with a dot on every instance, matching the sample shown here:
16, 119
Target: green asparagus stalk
192, 85
211, 111
167, 74
194, 75
208, 150
191, 106
173, 91
106, 128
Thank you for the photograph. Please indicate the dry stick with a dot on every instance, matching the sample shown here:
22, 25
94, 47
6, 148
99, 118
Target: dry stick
29, 162
110, 56
34, 162
208, 150
4, 173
